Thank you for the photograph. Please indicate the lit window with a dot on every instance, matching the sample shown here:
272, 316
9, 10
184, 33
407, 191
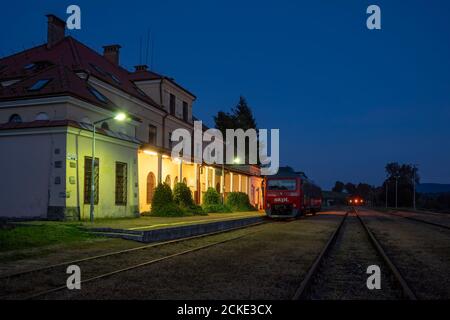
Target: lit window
38, 85
98, 95
15, 118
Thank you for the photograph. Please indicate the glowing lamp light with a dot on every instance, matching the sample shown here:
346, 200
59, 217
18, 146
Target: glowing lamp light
120, 116
150, 153
237, 160
351, 201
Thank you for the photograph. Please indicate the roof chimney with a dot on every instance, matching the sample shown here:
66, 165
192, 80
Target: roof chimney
55, 30
141, 67
112, 53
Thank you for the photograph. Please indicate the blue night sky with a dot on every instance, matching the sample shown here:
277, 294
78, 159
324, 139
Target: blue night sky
346, 100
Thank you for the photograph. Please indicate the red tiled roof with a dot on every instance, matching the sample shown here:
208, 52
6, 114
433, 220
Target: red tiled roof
62, 62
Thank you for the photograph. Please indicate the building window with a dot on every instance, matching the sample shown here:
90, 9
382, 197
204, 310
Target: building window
170, 140
152, 134
38, 85
105, 125
172, 104
121, 183
175, 181
185, 111
151, 182
100, 97
87, 180
15, 118
42, 116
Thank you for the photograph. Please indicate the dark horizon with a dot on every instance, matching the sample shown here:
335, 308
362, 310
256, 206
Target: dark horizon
346, 100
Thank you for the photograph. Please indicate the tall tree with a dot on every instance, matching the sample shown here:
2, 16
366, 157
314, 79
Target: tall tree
338, 187
401, 176
350, 188
241, 117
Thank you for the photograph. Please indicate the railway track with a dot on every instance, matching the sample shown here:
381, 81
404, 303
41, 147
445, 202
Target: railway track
335, 274
52, 278
431, 223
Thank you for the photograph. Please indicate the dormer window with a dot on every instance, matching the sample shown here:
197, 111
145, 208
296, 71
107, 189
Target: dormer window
98, 95
98, 69
38, 85
116, 80
29, 66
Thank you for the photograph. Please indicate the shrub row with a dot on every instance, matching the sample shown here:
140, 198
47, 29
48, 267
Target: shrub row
180, 203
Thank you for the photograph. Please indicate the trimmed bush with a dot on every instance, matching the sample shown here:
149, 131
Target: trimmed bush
168, 210
211, 196
238, 201
212, 202
216, 208
163, 204
182, 195
162, 195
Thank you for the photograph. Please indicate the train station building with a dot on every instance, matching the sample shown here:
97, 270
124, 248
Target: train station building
53, 96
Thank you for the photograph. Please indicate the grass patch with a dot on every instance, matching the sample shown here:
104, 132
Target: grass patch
41, 235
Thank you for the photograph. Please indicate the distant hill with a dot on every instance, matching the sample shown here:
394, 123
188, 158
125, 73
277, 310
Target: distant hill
433, 188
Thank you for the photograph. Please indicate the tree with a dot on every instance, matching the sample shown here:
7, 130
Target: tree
350, 188
338, 187
401, 175
241, 117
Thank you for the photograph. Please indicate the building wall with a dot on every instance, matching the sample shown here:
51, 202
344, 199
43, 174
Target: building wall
32, 168
28, 113
109, 151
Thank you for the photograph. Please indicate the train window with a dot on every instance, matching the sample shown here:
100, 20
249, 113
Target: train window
282, 184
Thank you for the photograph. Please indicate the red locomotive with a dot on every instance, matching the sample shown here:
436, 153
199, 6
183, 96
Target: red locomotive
290, 194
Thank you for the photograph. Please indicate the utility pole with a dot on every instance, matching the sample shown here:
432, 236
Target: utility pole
386, 184
396, 192
414, 187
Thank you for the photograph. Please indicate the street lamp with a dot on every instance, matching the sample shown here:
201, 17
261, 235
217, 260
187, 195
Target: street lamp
118, 117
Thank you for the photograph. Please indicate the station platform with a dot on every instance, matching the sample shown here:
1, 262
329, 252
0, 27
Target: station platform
155, 229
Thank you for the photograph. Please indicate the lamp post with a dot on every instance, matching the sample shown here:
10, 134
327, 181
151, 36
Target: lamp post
117, 117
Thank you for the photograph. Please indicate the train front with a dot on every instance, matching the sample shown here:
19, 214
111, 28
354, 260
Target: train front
282, 198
